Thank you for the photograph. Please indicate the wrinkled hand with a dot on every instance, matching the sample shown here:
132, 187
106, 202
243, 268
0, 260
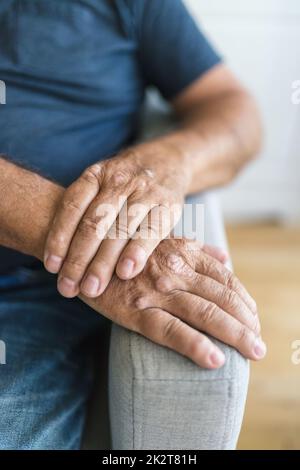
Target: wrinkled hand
183, 293
114, 216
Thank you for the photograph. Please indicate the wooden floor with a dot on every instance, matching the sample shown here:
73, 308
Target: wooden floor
267, 259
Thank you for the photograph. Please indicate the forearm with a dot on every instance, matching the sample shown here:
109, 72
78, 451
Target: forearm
28, 204
216, 139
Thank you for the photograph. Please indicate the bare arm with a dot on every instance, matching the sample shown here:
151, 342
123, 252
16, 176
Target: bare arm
28, 204
220, 129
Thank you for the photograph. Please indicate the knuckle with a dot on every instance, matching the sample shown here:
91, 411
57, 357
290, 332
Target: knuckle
163, 284
204, 262
171, 328
123, 231
242, 335
71, 205
175, 263
209, 313
92, 174
88, 226
141, 184
119, 178
230, 280
142, 302
198, 280
230, 299
189, 304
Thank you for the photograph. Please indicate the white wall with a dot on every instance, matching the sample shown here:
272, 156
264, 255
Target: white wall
261, 42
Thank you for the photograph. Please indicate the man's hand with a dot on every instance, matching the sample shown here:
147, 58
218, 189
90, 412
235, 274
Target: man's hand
219, 132
114, 216
182, 289
182, 294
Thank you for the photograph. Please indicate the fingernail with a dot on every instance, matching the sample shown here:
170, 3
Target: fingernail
125, 268
217, 358
53, 263
260, 349
67, 287
91, 285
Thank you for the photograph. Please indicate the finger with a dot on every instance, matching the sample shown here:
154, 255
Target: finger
102, 266
90, 232
225, 298
167, 330
75, 202
209, 318
154, 228
217, 253
208, 266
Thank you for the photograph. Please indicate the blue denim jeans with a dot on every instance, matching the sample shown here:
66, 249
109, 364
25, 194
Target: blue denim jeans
48, 376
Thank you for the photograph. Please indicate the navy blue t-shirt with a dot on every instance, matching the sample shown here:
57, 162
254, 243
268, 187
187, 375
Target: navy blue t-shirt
76, 72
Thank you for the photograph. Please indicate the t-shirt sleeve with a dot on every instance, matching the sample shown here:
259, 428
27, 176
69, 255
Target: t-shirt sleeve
173, 52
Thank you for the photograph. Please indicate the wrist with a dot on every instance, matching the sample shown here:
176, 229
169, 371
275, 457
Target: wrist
170, 161
47, 206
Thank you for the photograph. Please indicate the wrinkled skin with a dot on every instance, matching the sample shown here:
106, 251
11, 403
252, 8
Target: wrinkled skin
182, 295
131, 192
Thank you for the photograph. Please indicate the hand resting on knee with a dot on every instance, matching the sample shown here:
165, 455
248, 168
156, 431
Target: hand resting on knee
183, 295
